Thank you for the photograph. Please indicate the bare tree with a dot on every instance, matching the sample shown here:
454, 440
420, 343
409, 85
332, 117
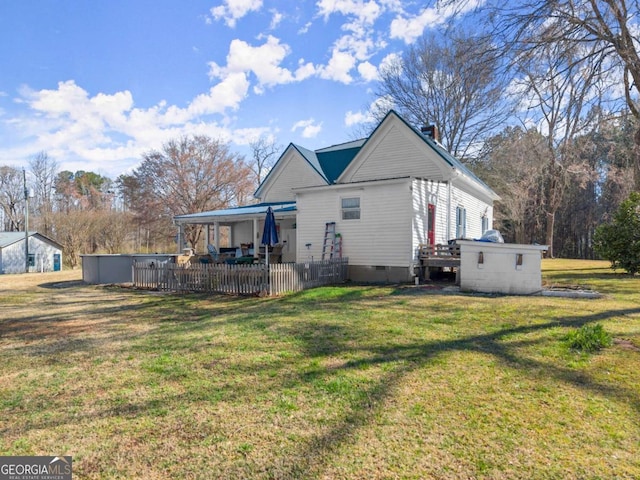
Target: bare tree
511, 163
191, 174
264, 153
594, 31
451, 80
564, 99
75, 230
12, 198
44, 170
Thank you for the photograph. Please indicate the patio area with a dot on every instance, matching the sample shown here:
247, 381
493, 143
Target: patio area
236, 232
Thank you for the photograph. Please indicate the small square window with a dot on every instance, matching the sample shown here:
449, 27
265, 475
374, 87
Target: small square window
32, 260
351, 208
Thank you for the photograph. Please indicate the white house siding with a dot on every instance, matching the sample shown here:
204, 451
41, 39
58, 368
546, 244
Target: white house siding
292, 172
13, 258
475, 209
396, 152
382, 235
427, 192
242, 232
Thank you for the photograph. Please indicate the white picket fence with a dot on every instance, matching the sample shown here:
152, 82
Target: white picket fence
271, 279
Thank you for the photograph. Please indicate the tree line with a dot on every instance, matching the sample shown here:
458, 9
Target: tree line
90, 213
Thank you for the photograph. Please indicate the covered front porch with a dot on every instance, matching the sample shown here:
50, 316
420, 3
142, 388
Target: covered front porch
236, 232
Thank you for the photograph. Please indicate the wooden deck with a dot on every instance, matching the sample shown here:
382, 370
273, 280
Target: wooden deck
439, 257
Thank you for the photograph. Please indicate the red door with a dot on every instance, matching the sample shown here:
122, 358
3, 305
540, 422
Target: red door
431, 224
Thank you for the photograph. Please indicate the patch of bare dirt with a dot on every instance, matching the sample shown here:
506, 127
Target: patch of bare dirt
29, 281
626, 344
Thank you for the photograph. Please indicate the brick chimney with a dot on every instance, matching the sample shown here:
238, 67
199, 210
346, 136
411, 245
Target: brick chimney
431, 131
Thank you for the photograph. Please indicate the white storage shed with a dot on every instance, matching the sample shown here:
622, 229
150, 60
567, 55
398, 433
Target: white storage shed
45, 254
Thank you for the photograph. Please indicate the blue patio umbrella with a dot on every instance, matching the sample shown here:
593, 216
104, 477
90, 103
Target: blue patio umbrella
270, 233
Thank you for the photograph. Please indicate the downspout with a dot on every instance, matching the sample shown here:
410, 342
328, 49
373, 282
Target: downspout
448, 210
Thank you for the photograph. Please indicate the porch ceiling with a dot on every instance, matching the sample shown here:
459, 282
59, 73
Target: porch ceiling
238, 214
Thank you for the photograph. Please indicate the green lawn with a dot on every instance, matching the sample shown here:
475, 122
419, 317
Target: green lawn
362, 382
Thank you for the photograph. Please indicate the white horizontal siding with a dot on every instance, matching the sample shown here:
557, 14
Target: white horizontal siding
427, 192
475, 209
13, 261
396, 151
293, 171
382, 235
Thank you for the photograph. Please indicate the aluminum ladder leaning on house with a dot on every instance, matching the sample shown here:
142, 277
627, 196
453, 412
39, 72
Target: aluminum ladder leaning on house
332, 245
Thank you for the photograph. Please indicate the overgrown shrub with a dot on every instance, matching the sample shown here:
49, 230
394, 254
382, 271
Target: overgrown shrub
619, 241
589, 338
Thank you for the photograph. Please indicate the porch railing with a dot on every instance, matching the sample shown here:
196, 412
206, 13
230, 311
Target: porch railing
273, 279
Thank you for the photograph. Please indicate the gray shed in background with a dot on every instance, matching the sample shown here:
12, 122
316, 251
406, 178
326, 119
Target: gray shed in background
45, 255
107, 269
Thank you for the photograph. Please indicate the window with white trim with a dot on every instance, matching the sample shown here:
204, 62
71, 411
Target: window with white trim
350, 208
485, 223
461, 222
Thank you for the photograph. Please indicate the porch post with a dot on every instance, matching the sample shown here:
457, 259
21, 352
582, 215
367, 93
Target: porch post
180, 239
256, 235
216, 235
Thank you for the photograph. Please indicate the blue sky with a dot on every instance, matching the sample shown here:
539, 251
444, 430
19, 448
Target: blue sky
96, 84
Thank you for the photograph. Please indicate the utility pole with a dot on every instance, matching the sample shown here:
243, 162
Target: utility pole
26, 222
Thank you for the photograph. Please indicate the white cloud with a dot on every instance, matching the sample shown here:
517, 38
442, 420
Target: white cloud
355, 118
382, 104
276, 18
389, 60
358, 45
338, 67
244, 136
368, 72
309, 128
107, 129
229, 93
305, 28
365, 12
233, 10
410, 28
305, 70
264, 61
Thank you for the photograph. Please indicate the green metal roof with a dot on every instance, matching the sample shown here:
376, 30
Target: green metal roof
331, 162
334, 161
